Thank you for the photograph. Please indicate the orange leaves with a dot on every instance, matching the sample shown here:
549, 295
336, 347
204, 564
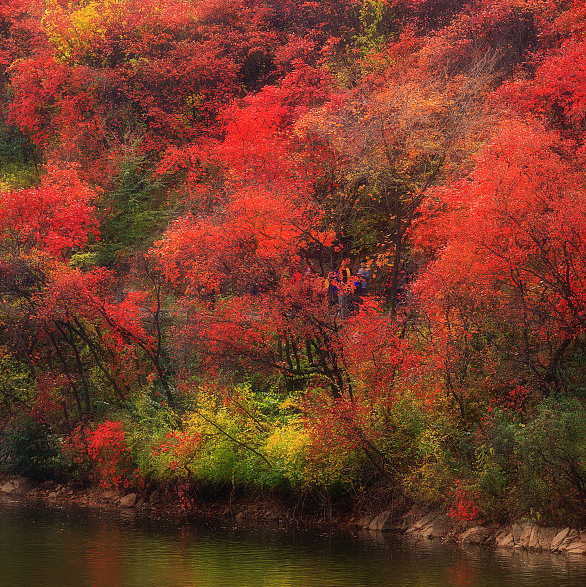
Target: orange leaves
273, 220
514, 254
262, 176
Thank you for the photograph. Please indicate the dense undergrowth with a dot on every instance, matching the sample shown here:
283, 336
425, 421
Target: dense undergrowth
333, 250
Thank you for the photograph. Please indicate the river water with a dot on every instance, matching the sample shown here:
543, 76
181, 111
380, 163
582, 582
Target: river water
48, 547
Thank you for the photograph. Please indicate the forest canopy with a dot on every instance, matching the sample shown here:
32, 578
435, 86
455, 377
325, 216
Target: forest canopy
330, 247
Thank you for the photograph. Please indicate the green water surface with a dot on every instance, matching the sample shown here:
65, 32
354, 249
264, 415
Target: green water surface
44, 547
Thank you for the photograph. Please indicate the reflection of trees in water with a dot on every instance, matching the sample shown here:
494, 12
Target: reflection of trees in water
104, 558
57, 549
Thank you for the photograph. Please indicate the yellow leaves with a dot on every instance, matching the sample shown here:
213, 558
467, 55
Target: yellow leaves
288, 443
75, 28
194, 100
214, 414
72, 30
290, 402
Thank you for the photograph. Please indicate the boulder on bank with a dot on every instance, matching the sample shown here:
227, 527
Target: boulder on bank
20, 485
545, 538
383, 522
475, 535
504, 539
388, 520
434, 524
23, 485
530, 536
365, 521
526, 531
559, 539
516, 531
128, 501
575, 544
423, 522
8, 488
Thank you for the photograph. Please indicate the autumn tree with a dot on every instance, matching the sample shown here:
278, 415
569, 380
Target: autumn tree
505, 293
394, 137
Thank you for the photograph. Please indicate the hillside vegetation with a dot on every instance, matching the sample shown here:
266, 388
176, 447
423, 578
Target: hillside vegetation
324, 249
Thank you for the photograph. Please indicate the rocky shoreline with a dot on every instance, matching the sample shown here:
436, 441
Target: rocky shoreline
434, 524
414, 523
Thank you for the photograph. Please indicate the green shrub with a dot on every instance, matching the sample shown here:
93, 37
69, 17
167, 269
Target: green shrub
28, 448
552, 458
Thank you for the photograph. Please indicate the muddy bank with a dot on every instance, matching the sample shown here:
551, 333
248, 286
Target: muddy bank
415, 523
232, 509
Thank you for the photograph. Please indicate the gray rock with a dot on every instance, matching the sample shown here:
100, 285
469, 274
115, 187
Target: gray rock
423, 522
559, 539
430, 517
437, 528
408, 520
526, 535
8, 488
383, 522
505, 539
110, 495
578, 547
365, 521
23, 485
533, 543
546, 535
572, 537
516, 531
474, 535
128, 501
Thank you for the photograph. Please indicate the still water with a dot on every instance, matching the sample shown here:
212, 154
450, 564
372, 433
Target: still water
41, 547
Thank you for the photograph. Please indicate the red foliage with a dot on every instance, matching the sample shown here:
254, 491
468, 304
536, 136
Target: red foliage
47, 399
106, 451
180, 447
55, 217
463, 500
340, 426
511, 252
272, 134
267, 213
556, 90
378, 353
109, 75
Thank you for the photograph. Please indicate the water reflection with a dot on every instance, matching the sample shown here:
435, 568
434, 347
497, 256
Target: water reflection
47, 548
